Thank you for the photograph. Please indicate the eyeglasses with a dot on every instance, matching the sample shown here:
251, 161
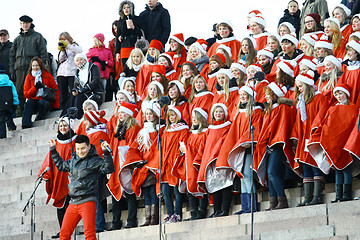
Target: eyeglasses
310, 21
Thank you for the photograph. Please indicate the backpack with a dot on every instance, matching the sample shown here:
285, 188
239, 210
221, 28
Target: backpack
6, 98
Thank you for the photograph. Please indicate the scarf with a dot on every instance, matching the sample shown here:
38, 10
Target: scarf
121, 131
150, 59
143, 138
66, 136
301, 104
137, 67
37, 76
83, 73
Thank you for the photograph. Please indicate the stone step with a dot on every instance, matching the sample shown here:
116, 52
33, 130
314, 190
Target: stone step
37, 235
326, 231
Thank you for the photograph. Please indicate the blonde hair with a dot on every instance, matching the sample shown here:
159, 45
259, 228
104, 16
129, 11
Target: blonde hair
193, 90
129, 121
158, 94
269, 106
309, 50
98, 42
336, 36
188, 58
130, 63
212, 114
202, 122
332, 79
309, 93
157, 53
226, 86
168, 123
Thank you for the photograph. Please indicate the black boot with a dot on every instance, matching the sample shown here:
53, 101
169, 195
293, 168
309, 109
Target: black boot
273, 203
339, 193
318, 189
308, 190
347, 192
282, 203
193, 215
217, 202
154, 214
132, 211
147, 216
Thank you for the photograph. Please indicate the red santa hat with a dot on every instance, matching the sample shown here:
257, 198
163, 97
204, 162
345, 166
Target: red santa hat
355, 45
169, 56
257, 67
334, 20
258, 19
240, 66
89, 100
100, 37
191, 63
70, 122
222, 57
277, 89
310, 38
307, 78
345, 8
202, 112
227, 72
287, 66
129, 108
342, 87
265, 52
160, 69
249, 90
179, 85
291, 37
202, 45
225, 48
310, 63
324, 43
94, 116
178, 38
156, 44
223, 106
254, 13
289, 26
176, 109
336, 61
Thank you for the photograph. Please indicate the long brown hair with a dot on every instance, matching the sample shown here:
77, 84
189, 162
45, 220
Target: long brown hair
273, 96
193, 90
39, 61
309, 93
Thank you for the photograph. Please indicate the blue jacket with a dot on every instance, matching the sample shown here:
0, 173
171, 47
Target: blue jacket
6, 82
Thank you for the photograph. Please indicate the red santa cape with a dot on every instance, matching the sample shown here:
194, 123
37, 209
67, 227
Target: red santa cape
143, 77
326, 145
56, 181
230, 42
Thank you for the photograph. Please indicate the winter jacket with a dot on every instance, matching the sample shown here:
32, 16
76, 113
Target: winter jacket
293, 19
5, 55
83, 173
93, 87
313, 6
128, 36
6, 82
48, 80
156, 23
67, 67
26, 46
105, 55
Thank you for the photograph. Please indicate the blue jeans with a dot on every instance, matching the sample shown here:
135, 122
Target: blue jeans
343, 176
150, 195
246, 180
276, 172
179, 199
311, 172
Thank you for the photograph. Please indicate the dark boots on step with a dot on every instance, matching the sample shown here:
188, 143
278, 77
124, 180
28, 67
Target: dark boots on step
273, 203
339, 193
282, 203
147, 215
308, 191
318, 191
154, 214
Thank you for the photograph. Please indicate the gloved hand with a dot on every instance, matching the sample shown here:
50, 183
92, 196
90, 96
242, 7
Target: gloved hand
83, 90
94, 59
62, 45
103, 65
39, 85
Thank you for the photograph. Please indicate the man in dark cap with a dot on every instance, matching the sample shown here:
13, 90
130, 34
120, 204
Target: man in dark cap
212, 40
25, 46
5, 46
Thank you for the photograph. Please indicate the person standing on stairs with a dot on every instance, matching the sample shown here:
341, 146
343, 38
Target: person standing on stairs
57, 181
84, 169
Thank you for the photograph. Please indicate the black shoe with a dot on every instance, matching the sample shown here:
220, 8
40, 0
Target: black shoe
56, 236
80, 233
130, 225
25, 126
99, 230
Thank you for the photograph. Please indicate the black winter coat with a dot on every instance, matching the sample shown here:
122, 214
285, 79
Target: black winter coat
84, 173
93, 87
295, 20
128, 36
156, 23
5, 56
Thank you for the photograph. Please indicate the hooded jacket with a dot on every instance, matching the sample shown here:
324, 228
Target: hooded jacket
5, 54
83, 173
293, 19
156, 23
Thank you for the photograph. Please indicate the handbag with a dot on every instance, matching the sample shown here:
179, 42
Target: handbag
49, 94
142, 43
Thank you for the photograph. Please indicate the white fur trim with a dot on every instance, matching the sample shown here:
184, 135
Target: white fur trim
276, 89
202, 112
223, 106
226, 49
341, 89
175, 110
159, 85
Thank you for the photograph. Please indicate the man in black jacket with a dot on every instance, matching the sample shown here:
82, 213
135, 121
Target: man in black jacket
5, 46
84, 169
155, 21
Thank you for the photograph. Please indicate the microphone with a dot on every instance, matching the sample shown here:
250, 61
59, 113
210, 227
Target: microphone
258, 76
107, 147
42, 174
163, 101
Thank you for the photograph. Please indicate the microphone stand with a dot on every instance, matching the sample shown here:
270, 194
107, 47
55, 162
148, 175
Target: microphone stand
32, 209
251, 135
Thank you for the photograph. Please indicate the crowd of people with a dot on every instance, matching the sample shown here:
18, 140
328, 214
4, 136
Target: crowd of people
269, 110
